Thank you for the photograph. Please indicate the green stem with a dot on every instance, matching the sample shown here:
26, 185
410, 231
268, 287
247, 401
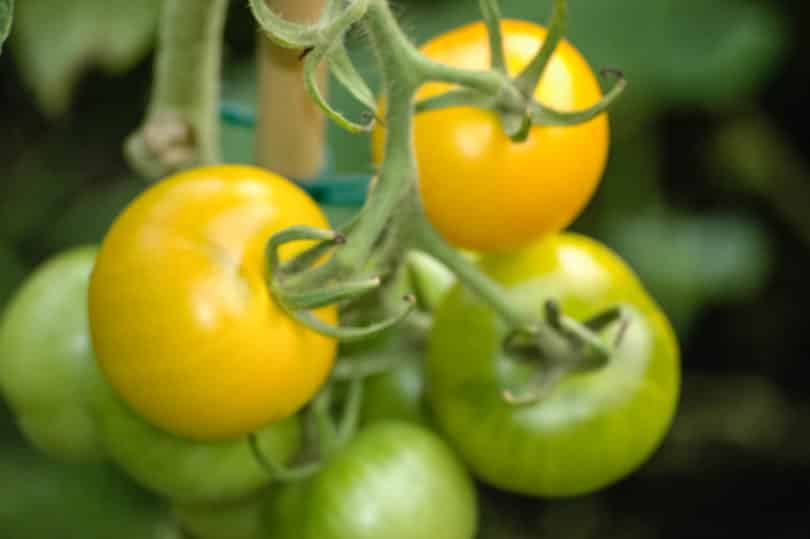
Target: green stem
528, 79
467, 273
181, 129
394, 198
552, 345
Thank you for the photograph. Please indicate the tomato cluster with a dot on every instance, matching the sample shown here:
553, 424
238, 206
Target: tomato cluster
165, 348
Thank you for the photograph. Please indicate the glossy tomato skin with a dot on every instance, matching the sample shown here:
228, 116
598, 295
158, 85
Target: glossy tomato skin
594, 428
45, 355
393, 480
182, 321
481, 190
184, 470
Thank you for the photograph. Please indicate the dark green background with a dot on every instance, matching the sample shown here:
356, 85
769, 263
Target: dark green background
707, 194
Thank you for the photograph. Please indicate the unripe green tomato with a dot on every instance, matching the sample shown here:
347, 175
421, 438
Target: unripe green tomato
392, 481
238, 520
45, 357
181, 469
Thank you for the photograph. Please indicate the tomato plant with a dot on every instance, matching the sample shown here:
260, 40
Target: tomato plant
45, 356
393, 480
480, 189
188, 471
181, 317
593, 428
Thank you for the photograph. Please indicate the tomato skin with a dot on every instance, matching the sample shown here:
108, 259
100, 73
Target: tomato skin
393, 480
594, 428
184, 470
182, 321
483, 191
45, 355
398, 393
239, 520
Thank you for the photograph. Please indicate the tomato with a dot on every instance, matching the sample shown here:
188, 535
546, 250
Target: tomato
483, 191
594, 427
184, 470
393, 480
397, 393
182, 321
239, 520
45, 355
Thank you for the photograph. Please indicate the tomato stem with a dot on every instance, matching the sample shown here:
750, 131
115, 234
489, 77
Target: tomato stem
181, 128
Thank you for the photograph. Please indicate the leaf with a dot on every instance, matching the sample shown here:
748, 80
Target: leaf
688, 261
56, 42
88, 219
6, 13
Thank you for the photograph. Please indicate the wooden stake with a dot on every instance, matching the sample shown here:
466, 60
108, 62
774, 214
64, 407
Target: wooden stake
290, 135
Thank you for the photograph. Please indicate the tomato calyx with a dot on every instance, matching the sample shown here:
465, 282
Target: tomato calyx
299, 301
514, 101
587, 351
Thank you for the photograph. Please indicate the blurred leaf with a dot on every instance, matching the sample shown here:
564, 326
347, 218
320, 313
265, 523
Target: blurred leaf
687, 261
6, 13
738, 412
38, 185
55, 42
753, 155
41, 499
88, 219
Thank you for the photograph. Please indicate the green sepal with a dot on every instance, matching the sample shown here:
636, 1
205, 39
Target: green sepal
320, 297
278, 471
344, 71
284, 33
352, 334
542, 115
311, 64
491, 12
529, 78
296, 233
455, 98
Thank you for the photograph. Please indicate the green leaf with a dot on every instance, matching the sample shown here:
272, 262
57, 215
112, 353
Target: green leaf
90, 216
56, 42
6, 12
688, 261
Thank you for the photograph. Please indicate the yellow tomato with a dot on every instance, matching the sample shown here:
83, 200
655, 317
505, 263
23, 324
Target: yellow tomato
182, 321
481, 190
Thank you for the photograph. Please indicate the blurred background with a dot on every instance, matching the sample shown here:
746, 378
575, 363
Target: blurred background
707, 194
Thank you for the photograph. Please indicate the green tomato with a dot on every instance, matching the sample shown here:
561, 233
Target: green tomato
393, 481
45, 357
184, 470
593, 428
237, 520
397, 393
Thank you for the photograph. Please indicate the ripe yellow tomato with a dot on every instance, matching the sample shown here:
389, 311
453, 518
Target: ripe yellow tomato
481, 190
182, 322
